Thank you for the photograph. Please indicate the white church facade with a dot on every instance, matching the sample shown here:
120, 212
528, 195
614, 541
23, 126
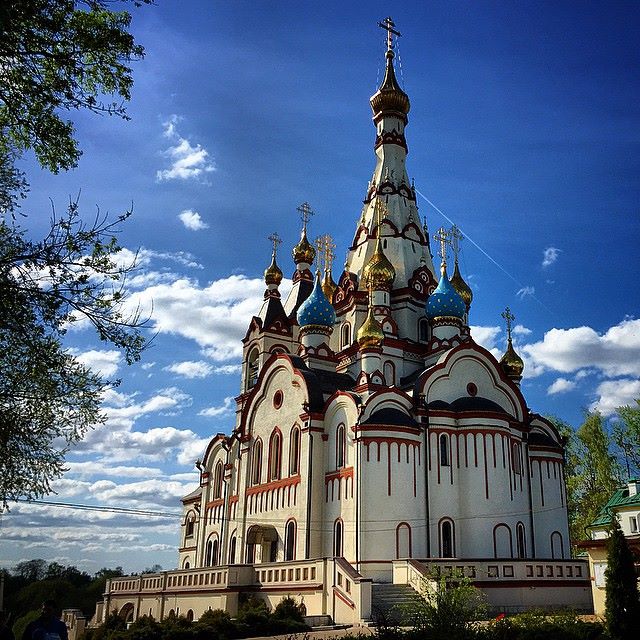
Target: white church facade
375, 441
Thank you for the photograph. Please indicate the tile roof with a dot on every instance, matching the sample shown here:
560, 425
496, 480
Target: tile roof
618, 500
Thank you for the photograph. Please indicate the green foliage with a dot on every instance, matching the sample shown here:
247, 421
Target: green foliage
289, 609
213, 624
21, 623
622, 607
626, 434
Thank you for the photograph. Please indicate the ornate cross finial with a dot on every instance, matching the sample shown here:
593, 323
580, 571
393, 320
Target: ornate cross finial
388, 25
325, 246
275, 241
305, 214
509, 317
456, 237
379, 210
442, 237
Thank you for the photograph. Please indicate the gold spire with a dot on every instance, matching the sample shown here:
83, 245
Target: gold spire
273, 274
304, 251
511, 362
370, 334
378, 273
390, 97
324, 248
463, 289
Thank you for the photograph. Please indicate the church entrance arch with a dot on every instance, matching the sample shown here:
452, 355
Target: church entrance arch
126, 613
262, 544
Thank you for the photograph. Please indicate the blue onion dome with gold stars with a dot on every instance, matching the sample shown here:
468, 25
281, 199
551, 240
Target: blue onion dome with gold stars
316, 309
445, 300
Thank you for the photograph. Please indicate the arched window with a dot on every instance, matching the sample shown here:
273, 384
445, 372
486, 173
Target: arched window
275, 455
189, 524
502, 541
423, 330
345, 335
338, 538
190, 615
232, 549
340, 447
185, 563
215, 552
208, 553
217, 481
290, 541
447, 539
521, 543
294, 452
557, 545
252, 369
516, 461
389, 373
256, 462
444, 450
403, 540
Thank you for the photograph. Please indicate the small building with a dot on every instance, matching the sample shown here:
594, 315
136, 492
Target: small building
624, 505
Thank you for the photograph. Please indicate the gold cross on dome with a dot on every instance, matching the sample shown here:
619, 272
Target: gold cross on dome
509, 317
456, 237
275, 241
379, 213
443, 238
325, 246
305, 213
388, 25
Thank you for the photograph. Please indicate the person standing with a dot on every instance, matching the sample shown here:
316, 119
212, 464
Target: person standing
48, 626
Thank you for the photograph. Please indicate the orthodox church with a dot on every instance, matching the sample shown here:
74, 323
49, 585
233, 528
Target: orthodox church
372, 432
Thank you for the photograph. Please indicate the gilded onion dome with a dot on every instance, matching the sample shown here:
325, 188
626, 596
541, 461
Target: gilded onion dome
390, 97
304, 251
316, 309
378, 274
463, 289
445, 300
511, 362
273, 274
328, 285
370, 334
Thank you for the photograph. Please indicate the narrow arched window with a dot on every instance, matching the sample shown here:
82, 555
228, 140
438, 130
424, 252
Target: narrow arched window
444, 450
294, 452
345, 340
232, 550
447, 546
389, 373
189, 525
338, 541
521, 544
290, 541
217, 481
252, 369
516, 461
208, 553
256, 462
423, 330
215, 552
275, 455
340, 447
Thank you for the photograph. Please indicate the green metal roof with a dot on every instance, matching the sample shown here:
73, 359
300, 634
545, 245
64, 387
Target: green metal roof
618, 500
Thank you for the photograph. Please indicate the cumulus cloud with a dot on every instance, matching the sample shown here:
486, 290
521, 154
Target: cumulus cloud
615, 393
213, 412
228, 369
525, 291
188, 161
520, 330
104, 363
561, 385
549, 256
192, 220
487, 337
191, 369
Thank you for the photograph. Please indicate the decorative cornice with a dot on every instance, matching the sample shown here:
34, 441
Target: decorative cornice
391, 137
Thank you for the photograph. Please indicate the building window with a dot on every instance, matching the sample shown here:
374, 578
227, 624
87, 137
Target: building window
252, 369
633, 524
516, 461
256, 462
217, 481
423, 330
340, 447
389, 373
521, 541
290, 541
447, 545
190, 615
189, 525
275, 455
294, 452
338, 541
212, 552
444, 450
345, 340
557, 546
403, 540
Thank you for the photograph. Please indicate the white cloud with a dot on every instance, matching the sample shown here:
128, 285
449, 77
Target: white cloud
187, 160
525, 291
485, 336
191, 369
104, 363
213, 412
615, 393
228, 369
192, 220
615, 353
550, 255
561, 385
521, 330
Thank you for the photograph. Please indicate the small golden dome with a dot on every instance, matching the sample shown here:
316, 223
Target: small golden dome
304, 251
328, 285
390, 97
370, 334
378, 273
511, 362
463, 289
273, 274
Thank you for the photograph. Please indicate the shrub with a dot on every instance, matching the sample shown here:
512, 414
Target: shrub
213, 624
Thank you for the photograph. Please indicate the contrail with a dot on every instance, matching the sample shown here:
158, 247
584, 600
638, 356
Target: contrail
482, 251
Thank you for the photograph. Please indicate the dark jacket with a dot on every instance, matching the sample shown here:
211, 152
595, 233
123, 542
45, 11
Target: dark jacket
46, 629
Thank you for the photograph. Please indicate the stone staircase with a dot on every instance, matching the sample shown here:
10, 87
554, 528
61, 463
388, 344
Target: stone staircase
389, 603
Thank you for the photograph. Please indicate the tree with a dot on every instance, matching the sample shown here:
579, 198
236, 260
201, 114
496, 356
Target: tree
622, 608
56, 56
626, 434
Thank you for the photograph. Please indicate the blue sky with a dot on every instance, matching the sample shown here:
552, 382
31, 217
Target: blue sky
524, 130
